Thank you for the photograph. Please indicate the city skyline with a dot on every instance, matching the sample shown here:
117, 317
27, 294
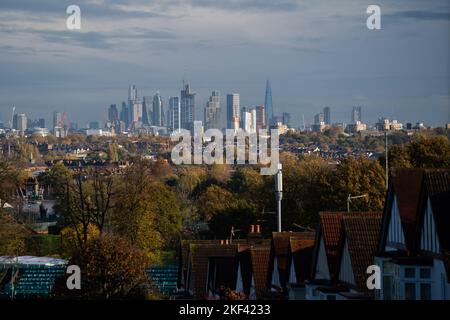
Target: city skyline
315, 55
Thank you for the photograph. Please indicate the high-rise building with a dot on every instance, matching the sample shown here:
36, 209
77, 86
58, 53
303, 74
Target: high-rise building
113, 114
327, 115
233, 108
57, 119
212, 111
174, 114
260, 118
286, 118
319, 118
125, 115
135, 107
356, 115
248, 120
20, 122
158, 113
41, 123
268, 104
187, 107
147, 111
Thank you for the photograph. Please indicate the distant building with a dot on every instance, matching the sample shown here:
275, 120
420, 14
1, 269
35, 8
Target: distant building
327, 115
319, 118
187, 107
260, 118
384, 124
268, 105
233, 108
356, 115
20, 122
248, 120
125, 115
158, 112
134, 107
356, 127
212, 111
174, 114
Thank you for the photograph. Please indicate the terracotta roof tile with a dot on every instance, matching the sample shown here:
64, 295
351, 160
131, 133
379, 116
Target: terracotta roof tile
261, 257
361, 230
302, 249
330, 228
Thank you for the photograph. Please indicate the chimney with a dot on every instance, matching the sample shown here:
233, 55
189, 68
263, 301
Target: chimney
252, 228
258, 228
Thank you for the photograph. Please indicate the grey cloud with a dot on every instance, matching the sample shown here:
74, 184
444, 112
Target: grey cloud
420, 15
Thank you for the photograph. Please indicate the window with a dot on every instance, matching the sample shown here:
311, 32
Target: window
425, 273
425, 291
410, 272
410, 291
388, 287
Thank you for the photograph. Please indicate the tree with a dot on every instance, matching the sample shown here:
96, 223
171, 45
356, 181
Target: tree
13, 235
431, 152
110, 269
11, 179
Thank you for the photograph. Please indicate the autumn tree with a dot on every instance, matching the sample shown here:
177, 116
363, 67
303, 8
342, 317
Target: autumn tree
110, 269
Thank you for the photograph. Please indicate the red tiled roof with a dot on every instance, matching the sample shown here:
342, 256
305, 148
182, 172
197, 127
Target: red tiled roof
302, 249
361, 231
330, 228
261, 257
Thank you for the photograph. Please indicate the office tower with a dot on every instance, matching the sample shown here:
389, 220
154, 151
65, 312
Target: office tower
174, 114
57, 120
125, 115
286, 119
356, 115
113, 114
248, 123
41, 123
20, 122
135, 107
260, 118
187, 107
158, 114
268, 104
198, 128
147, 114
233, 108
327, 115
319, 118
212, 111
94, 125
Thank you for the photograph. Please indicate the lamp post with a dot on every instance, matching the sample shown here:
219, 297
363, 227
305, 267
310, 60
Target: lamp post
279, 193
350, 198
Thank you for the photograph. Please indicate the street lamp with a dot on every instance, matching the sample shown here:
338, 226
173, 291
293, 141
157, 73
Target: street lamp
350, 198
279, 193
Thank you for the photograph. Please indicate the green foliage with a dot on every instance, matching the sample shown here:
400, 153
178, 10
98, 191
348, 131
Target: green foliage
43, 245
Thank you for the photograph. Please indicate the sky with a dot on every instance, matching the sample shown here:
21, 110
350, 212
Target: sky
315, 53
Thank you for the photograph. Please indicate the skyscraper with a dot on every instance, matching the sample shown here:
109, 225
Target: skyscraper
21, 122
187, 107
233, 108
134, 107
147, 114
260, 118
248, 120
356, 115
158, 113
174, 114
212, 111
113, 115
57, 119
319, 118
327, 115
286, 118
268, 104
125, 115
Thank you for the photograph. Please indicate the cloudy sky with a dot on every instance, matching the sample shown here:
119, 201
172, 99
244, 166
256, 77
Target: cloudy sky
316, 54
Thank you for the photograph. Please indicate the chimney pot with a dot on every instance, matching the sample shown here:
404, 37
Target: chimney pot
252, 228
258, 228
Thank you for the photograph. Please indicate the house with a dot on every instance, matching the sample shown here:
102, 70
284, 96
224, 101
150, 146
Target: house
282, 258
413, 250
358, 242
301, 251
325, 254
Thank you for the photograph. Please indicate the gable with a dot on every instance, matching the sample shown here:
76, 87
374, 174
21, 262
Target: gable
322, 271
346, 269
275, 274
396, 237
428, 240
